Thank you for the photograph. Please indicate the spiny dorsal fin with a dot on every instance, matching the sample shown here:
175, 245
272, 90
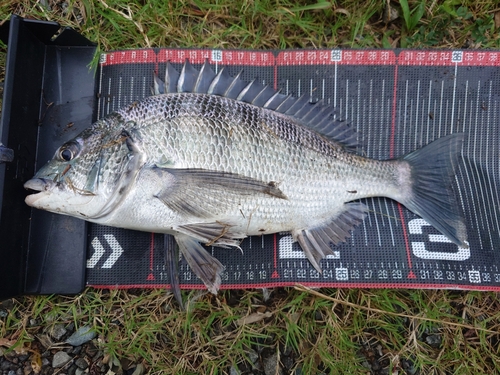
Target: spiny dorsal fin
187, 79
317, 116
205, 78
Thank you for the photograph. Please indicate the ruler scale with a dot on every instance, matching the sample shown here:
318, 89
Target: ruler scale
398, 100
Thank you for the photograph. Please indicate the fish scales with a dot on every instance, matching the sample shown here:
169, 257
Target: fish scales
215, 168
316, 175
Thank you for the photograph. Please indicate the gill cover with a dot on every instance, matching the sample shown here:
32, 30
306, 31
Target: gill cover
136, 159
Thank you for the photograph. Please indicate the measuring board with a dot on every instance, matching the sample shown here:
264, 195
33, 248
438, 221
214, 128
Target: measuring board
398, 100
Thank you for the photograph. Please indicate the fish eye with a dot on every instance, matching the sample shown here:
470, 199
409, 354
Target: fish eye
69, 150
66, 155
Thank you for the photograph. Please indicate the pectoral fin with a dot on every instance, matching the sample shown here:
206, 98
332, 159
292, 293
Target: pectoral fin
203, 193
316, 241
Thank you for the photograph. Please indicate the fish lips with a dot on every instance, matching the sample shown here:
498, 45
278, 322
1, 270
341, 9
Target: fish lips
42, 186
56, 197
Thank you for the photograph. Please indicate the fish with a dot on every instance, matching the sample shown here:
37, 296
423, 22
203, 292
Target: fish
212, 159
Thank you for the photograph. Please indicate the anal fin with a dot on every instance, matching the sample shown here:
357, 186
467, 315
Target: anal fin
316, 241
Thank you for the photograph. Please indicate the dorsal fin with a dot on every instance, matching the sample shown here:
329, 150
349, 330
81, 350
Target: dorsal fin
317, 116
233, 86
205, 78
187, 79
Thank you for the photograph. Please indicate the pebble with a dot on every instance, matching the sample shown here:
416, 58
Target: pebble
76, 350
81, 336
5, 365
253, 356
287, 363
8, 304
390, 13
58, 331
13, 358
234, 371
60, 359
285, 350
433, 340
271, 365
72, 370
33, 322
408, 367
81, 363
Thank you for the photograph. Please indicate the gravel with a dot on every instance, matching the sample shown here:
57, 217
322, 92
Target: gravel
51, 355
63, 350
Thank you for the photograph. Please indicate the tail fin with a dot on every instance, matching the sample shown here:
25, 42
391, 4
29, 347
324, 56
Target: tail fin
432, 170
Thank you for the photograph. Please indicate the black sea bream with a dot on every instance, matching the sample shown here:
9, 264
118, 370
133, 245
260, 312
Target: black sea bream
211, 160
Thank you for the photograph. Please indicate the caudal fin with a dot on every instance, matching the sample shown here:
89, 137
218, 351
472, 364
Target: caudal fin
432, 170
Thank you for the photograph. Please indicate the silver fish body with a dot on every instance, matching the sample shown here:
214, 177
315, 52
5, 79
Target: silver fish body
217, 164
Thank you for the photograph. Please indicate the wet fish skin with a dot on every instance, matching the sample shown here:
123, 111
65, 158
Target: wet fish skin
214, 169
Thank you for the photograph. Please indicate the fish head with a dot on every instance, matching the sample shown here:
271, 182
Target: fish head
91, 174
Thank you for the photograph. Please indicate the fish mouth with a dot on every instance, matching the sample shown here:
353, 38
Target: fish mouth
40, 187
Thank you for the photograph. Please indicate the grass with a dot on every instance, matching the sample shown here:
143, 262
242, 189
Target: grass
326, 331
334, 331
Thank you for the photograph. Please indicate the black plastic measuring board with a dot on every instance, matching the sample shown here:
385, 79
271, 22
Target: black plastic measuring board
399, 100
